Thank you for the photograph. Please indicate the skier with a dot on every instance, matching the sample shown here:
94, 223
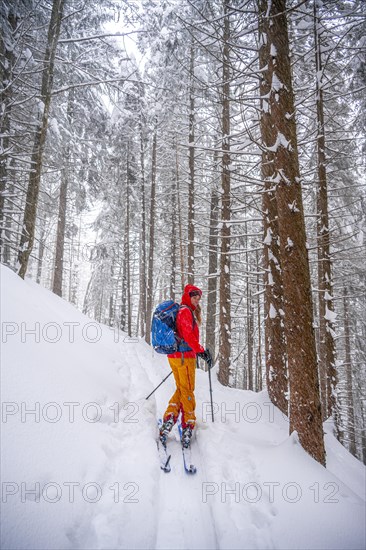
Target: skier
183, 365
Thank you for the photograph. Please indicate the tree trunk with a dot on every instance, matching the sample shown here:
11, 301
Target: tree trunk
327, 369
275, 342
249, 307
225, 298
210, 340
150, 274
259, 322
61, 225
250, 328
173, 239
305, 407
30, 213
142, 305
180, 230
348, 372
41, 249
6, 67
191, 173
129, 185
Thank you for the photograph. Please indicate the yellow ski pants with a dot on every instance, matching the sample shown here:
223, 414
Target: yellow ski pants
183, 399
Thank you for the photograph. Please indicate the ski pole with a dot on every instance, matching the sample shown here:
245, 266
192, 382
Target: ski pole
162, 382
209, 363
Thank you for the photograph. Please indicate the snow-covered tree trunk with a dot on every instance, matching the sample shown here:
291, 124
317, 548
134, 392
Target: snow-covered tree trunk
142, 272
60, 238
173, 238
259, 385
41, 249
250, 339
210, 339
127, 259
225, 297
7, 57
30, 212
191, 164
304, 407
180, 228
150, 272
62, 210
327, 370
275, 342
349, 382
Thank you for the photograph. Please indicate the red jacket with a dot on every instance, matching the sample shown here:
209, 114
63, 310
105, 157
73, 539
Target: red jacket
186, 327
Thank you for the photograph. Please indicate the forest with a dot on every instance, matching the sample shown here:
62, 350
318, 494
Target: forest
147, 144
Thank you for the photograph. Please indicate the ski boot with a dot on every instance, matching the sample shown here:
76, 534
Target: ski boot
165, 429
186, 437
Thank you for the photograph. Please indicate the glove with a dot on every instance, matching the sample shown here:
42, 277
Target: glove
206, 356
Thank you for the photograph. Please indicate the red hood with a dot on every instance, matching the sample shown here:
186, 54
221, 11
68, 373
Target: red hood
186, 299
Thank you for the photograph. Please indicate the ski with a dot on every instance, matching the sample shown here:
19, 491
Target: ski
163, 453
164, 458
187, 459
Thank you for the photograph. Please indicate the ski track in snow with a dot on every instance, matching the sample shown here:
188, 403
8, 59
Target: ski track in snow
184, 521
173, 509
104, 526
141, 506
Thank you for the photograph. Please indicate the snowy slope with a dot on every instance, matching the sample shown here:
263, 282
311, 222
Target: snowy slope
81, 470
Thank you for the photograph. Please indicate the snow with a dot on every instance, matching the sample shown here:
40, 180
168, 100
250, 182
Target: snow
276, 83
80, 467
280, 140
292, 206
290, 244
329, 314
272, 312
327, 296
268, 237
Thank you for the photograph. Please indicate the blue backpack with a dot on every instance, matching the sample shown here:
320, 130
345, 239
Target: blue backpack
163, 329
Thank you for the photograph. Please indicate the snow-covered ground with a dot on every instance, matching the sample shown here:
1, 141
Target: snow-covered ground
80, 467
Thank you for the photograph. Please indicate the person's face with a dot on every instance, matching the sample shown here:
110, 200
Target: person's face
195, 300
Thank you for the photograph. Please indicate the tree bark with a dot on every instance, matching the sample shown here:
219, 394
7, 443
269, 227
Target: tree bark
150, 274
259, 323
6, 66
60, 239
191, 173
327, 368
142, 304
349, 382
30, 213
304, 408
129, 184
41, 248
250, 329
210, 340
180, 230
249, 307
224, 373
61, 221
173, 238
274, 337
